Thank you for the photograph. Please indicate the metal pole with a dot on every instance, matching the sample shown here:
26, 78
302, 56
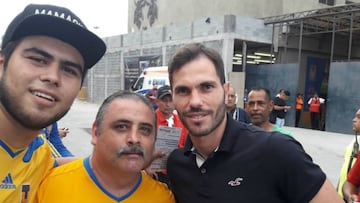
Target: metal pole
332, 40
300, 43
244, 50
350, 37
286, 41
272, 40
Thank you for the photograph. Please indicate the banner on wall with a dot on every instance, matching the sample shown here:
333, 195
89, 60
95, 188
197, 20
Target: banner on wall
134, 65
315, 69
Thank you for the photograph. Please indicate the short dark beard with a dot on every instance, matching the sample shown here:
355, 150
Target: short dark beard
18, 112
221, 112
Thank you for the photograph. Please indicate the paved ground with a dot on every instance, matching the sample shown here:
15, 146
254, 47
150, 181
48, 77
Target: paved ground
325, 148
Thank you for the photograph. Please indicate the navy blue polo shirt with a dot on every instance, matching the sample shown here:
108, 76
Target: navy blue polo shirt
250, 165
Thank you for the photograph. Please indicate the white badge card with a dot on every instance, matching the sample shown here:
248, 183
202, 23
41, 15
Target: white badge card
166, 141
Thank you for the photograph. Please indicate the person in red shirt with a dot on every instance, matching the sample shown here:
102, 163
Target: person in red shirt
167, 116
166, 113
314, 108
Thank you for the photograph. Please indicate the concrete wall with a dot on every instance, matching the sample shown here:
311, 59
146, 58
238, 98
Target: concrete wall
251, 29
174, 11
292, 57
343, 96
275, 77
109, 74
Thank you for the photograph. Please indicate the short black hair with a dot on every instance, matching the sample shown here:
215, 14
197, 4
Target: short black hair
189, 52
266, 90
122, 94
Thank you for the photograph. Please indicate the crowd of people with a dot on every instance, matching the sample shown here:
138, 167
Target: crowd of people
224, 153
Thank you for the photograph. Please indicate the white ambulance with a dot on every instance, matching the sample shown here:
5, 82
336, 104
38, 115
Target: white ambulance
158, 75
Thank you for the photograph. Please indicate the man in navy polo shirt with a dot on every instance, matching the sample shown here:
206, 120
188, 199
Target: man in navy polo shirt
229, 161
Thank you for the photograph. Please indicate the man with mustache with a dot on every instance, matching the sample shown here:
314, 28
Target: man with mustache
228, 161
259, 108
123, 135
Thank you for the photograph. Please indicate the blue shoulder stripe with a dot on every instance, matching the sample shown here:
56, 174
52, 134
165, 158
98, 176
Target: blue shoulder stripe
36, 143
8, 150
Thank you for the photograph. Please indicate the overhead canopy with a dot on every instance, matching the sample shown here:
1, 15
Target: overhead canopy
344, 20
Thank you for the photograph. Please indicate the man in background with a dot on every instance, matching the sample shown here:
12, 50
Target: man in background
259, 108
281, 108
315, 107
235, 112
166, 113
167, 116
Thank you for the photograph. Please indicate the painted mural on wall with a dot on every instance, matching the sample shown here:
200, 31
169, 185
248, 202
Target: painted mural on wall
134, 65
148, 7
317, 74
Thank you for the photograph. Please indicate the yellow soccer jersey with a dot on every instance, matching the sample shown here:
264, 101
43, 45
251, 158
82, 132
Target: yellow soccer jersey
22, 171
75, 182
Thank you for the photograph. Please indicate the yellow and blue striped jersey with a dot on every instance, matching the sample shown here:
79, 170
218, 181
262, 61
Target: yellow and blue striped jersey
54, 151
21, 171
76, 182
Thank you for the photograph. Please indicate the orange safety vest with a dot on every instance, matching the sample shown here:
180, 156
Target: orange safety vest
315, 105
299, 103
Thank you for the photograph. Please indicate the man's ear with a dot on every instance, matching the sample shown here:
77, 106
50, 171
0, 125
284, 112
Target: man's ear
2, 61
271, 104
94, 133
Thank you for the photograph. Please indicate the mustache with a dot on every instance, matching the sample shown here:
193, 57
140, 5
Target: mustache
197, 110
134, 149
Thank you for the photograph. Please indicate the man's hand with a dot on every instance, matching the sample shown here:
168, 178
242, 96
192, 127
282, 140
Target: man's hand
352, 198
154, 156
63, 132
350, 192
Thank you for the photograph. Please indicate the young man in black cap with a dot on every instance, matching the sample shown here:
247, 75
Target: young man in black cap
45, 54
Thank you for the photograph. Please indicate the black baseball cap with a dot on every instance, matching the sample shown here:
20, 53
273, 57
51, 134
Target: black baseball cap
163, 91
60, 23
